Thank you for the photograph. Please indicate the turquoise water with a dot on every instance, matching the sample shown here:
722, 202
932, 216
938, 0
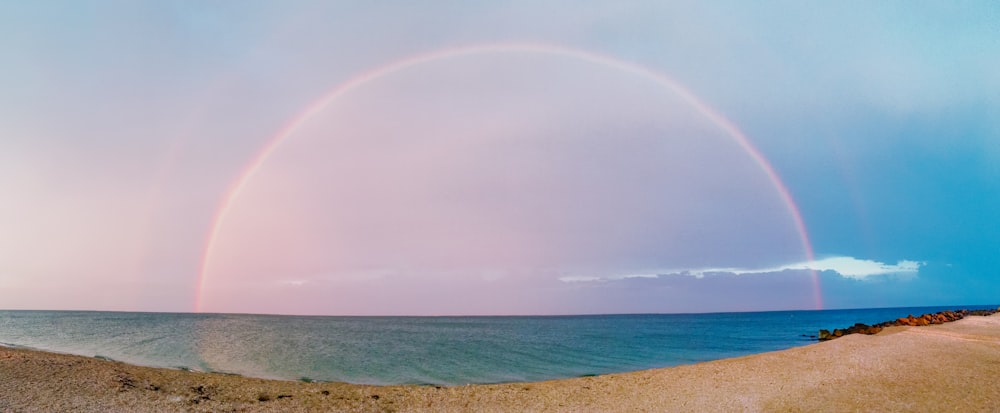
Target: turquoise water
425, 350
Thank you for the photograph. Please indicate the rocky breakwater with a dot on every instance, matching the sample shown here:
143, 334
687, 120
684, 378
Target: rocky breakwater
923, 320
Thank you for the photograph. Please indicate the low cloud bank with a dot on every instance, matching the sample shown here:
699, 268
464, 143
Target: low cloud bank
847, 267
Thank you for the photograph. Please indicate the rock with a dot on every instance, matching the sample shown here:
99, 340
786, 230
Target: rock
923, 320
858, 328
825, 335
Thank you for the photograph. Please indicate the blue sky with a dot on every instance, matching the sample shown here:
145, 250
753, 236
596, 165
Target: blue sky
480, 183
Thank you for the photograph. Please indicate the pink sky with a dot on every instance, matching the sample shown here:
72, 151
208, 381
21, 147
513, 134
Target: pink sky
480, 183
472, 175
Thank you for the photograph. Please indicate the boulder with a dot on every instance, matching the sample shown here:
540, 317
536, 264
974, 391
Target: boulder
923, 320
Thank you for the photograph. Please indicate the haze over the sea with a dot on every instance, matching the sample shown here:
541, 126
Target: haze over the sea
398, 158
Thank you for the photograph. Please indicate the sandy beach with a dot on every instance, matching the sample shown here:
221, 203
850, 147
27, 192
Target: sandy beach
947, 367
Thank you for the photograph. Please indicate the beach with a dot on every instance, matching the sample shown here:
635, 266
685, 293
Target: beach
947, 367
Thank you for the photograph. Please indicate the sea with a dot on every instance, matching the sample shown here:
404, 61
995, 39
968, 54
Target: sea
425, 350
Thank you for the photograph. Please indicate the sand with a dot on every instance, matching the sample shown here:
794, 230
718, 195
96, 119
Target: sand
947, 367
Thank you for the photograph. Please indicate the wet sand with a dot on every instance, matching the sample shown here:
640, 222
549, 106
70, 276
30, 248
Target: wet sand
946, 367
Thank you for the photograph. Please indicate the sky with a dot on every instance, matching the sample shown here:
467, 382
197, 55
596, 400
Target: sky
557, 157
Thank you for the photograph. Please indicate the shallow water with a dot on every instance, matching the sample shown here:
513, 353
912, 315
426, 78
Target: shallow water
425, 350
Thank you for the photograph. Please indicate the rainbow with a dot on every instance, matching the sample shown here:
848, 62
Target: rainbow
232, 193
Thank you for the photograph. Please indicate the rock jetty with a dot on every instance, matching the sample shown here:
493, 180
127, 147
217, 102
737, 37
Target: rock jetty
923, 320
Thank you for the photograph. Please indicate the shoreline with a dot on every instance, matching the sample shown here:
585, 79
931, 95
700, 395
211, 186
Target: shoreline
199, 342
939, 367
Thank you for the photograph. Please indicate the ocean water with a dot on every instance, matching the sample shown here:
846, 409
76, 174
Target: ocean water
424, 350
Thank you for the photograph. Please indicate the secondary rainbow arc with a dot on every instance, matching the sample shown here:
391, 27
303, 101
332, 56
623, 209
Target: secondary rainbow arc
232, 193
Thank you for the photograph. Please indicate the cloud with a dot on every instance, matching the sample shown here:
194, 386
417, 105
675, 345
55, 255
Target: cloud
847, 267
850, 267
590, 278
